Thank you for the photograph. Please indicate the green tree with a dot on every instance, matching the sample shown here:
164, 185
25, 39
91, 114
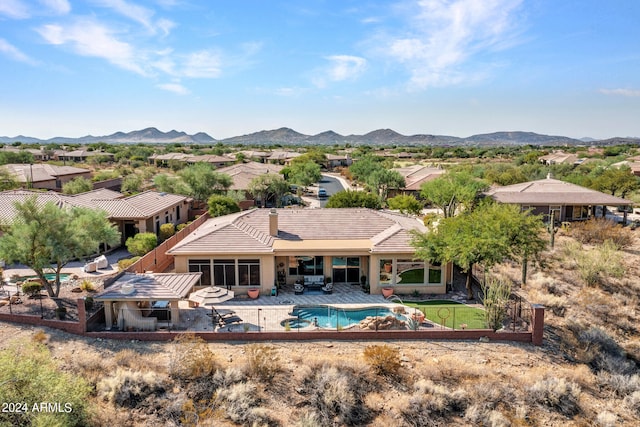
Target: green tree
29, 376
452, 191
617, 181
42, 235
381, 180
365, 166
488, 234
405, 203
171, 184
131, 184
222, 205
7, 180
304, 173
167, 230
203, 181
77, 185
353, 199
141, 243
268, 186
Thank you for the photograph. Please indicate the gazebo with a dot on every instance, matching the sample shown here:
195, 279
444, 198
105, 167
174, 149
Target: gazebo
129, 291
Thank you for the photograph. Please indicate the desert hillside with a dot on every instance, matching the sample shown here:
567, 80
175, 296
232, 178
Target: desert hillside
586, 373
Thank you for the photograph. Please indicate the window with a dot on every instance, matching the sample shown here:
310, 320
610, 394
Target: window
386, 271
410, 272
224, 272
346, 269
204, 266
249, 272
435, 274
306, 266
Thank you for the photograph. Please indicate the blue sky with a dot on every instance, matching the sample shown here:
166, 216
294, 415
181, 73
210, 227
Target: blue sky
458, 67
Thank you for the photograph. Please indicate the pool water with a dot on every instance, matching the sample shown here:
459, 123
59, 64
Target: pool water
330, 317
49, 276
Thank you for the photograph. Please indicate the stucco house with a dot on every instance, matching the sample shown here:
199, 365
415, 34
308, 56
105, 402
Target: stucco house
260, 248
414, 176
567, 202
45, 176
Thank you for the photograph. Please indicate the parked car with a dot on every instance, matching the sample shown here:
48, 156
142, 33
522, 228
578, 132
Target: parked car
322, 193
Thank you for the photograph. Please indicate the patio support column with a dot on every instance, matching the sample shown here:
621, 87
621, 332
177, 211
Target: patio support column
175, 312
108, 316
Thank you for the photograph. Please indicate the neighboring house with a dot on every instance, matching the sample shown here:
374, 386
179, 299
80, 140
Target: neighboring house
214, 160
256, 156
144, 212
632, 163
558, 157
282, 157
414, 176
242, 173
255, 248
45, 176
336, 160
80, 155
567, 202
41, 154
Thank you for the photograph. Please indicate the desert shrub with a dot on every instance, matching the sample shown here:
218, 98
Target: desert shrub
607, 419
181, 226
31, 288
123, 264
595, 265
166, 231
383, 360
432, 404
192, 358
262, 361
128, 358
485, 417
604, 353
598, 230
633, 402
621, 385
39, 337
557, 394
336, 395
141, 243
241, 404
87, 285
128, 388
29, 374
496, 294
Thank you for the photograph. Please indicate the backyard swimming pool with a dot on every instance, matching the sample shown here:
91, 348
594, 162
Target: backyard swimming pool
49, 276
325, 316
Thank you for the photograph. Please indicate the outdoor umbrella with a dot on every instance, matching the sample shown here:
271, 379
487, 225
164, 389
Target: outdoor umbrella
210, 296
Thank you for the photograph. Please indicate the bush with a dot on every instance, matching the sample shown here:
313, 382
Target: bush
596, 265
141, 243
167, 230
383, 359
222, 205
604, 353
29, 374
128, 388
558, 394
431, 404
87, 285
599, 230
496, 294
262, 361
31, 288
192, 359
242, 404
123, 264
336, 396
633, 402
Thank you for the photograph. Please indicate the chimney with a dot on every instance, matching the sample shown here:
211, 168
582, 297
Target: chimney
273, 223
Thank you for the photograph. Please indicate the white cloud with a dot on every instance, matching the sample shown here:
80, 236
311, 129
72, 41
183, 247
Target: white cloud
13, 52
14, 9
139, 14
202, 64
444, 35
60, 7
89, 38
176, 88
340, 68
621, 92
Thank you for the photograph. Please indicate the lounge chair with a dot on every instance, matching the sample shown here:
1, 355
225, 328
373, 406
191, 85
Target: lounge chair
230, 320
221, 314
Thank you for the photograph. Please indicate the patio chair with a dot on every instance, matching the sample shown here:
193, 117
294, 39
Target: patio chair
230, 320
298, 289
328, 288
221, 314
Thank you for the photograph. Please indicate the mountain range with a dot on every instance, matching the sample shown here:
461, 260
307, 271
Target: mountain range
287, 136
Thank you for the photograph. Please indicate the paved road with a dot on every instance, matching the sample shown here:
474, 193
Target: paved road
332, 185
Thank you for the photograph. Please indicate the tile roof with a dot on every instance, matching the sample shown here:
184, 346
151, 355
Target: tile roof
553, 191
151, 287
242, 173
139, 206
248, 232
416, 175
39, 172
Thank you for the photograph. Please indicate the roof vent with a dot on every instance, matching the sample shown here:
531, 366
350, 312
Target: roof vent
127, 289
